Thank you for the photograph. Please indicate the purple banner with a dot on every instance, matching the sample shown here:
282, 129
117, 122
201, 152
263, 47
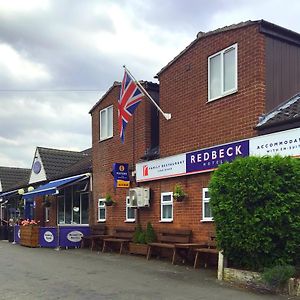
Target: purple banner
48, 237
210, 158
70, 236
17, 234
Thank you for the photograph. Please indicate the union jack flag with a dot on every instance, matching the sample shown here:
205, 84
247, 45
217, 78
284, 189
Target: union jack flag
130, 97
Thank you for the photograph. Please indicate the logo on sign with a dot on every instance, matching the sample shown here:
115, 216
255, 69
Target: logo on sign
74, 236
145, 170
121, 168
48, 236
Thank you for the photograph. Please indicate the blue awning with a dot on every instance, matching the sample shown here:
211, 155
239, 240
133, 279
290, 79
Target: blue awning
52, 187
8, 193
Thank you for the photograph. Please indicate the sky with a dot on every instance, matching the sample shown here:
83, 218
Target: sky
58, 57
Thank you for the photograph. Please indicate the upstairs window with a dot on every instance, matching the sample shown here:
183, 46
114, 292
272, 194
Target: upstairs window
222, 73
101, 210
106, 123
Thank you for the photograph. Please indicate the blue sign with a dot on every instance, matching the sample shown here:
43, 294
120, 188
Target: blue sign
121, 175
210, 158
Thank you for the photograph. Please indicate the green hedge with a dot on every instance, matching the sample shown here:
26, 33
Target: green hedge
256, 207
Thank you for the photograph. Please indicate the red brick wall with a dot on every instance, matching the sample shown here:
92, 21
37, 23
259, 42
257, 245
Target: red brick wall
197, 123
107, 152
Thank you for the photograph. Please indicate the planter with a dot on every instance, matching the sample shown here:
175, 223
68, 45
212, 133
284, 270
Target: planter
179, 198
29, 236
140, 249
109, 203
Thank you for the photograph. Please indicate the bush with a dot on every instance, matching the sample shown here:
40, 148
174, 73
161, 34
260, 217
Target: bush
256, 207
277, 276
150, 236
137, 234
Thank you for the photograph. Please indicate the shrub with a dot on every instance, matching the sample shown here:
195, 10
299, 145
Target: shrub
277, 276
150, 234
256, 207
137, 234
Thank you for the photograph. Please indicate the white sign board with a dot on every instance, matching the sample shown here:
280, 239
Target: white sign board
284, 143
171, 166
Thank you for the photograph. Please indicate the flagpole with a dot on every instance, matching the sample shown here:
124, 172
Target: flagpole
167, 116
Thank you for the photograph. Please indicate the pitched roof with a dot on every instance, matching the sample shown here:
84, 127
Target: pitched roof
11, 177
264, 27
84, 165
287, 112
56, 161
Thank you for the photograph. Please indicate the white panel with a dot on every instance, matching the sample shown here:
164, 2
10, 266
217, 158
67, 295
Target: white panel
41, 176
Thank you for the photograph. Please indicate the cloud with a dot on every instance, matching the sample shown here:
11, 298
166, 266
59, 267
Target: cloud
55, 48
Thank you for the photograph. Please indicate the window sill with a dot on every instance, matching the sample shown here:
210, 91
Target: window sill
222, 96
105, 139
101, 221
206, 221
166, 221
129, 221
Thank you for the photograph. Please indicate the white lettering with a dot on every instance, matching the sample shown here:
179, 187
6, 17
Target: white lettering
238, 150
221, 153
192, 159
214, 154
229, 151
206, 156
199, 157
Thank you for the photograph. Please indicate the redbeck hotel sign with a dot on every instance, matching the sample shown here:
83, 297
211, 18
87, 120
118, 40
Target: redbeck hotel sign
286, 143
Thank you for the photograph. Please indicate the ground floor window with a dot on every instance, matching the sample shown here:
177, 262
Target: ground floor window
166, 207
101, 210
130, 212
206, 210
73, 206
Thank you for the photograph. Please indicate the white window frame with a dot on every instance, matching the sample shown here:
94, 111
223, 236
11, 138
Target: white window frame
105, 136
204, 201
102, 206
166, 203
127, 214
233, 90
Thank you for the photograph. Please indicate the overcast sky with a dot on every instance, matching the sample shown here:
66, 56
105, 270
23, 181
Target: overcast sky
58, 57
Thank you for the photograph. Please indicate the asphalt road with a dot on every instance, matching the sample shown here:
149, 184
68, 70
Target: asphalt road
40, 273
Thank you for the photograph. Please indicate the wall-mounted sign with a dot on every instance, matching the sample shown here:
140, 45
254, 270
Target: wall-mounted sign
284, 143
121, 175
208, 159
37, 167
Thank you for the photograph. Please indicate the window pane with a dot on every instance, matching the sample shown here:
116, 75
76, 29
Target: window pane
110, 122
166, 198
167, 212
101, 213
229, 70
85, 208
76, 208
215, 76
130, 213
103, 129
61, 209
206, 194
68, 205
207, 210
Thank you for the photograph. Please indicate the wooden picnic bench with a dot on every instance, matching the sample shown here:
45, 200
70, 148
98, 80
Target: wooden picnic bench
208, 249
121, 236
171, 239
95, 237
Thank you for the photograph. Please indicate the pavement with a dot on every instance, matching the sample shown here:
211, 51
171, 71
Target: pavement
40, 273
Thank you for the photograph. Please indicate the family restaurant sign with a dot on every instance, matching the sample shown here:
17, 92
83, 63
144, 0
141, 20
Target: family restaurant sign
285, 143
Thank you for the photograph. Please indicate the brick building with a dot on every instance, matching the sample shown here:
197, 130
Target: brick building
216, 90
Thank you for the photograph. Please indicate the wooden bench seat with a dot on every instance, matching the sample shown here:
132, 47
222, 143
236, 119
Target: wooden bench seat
121, 236
209, 249
170, 239
96, 236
